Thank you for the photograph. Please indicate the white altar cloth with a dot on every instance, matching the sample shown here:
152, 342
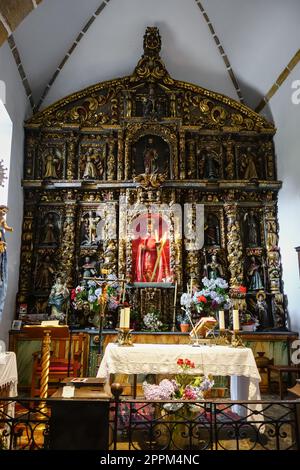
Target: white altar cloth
8, 372
238, 363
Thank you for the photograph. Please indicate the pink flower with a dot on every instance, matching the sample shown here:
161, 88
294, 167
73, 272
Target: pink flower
189, 393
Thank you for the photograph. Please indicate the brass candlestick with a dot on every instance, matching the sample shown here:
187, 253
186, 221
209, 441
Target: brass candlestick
236, 340
224, 338
124, 336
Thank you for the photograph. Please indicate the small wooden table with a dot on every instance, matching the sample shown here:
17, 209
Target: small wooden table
281, 370
93, 387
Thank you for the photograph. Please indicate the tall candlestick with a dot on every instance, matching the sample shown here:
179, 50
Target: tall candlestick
123, 293
221, 320
175, 294
236, 320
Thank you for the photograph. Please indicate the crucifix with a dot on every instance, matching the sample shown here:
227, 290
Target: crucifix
101, 281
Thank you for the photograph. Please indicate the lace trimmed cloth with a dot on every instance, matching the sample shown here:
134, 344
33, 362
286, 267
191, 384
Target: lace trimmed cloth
238, 363
8, 372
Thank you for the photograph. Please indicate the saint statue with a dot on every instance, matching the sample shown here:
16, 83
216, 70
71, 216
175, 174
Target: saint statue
214, 269
3, 255
262, 310
57, 299
149, 103
255, 282
90, 170
251, 228
152, 262
249, 165
150, 158
44, 274
212, 233
211, 163
50, 230
51, 164
88, 268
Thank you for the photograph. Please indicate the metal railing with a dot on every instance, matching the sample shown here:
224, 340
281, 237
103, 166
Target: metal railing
146, 425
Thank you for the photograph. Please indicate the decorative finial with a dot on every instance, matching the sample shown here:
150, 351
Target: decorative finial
150, 67
152, 41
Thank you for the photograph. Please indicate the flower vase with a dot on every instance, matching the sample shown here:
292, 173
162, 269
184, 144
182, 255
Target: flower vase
184, 327
179, 420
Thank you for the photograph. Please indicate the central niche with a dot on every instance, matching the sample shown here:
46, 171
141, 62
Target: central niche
151, 249
151, 154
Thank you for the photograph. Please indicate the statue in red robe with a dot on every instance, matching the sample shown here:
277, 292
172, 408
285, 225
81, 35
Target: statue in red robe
152, 259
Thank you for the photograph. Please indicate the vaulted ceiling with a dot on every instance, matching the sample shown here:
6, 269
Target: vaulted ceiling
244, 49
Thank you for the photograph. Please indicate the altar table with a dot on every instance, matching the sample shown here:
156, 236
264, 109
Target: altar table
8, 388
238, 363
8, 374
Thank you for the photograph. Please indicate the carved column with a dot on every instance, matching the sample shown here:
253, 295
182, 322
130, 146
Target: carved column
234, 248
274, 265
29, 161
192, 267
120, 158
191, 159
26, 263
67, 250
111, 160
71, 157
181, 154
122, 234
229, 162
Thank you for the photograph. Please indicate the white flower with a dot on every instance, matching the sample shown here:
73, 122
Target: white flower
79, 289
98, 291
186, 300
221, 283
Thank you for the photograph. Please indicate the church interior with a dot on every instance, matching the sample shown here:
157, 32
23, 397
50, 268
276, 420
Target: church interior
149, 257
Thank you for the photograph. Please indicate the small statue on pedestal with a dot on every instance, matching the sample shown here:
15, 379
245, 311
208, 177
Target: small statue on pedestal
90, 170
3, 256
88, 268
213, 269
255, 282
58, 299
251, 229
262, 310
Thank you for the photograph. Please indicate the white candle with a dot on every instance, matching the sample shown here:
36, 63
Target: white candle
122, 318
126, 317
191, 285
236, 320
221, 320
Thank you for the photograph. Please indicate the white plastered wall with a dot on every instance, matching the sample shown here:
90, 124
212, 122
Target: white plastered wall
16, 105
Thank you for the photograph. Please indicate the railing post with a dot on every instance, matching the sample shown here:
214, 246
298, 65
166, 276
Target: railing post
116, 390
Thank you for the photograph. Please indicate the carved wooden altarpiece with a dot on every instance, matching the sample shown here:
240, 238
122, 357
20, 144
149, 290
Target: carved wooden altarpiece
101, 158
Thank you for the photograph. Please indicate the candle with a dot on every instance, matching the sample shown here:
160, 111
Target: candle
236, 320
191, 285
126, 317
122, 318
175, 294
221, 320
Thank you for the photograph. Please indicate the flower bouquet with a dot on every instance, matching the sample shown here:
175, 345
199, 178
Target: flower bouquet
177, 414
184, 386
93, 300
212, 297
152, 321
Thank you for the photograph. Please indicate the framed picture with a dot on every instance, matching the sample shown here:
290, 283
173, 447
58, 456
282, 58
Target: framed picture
16, 325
